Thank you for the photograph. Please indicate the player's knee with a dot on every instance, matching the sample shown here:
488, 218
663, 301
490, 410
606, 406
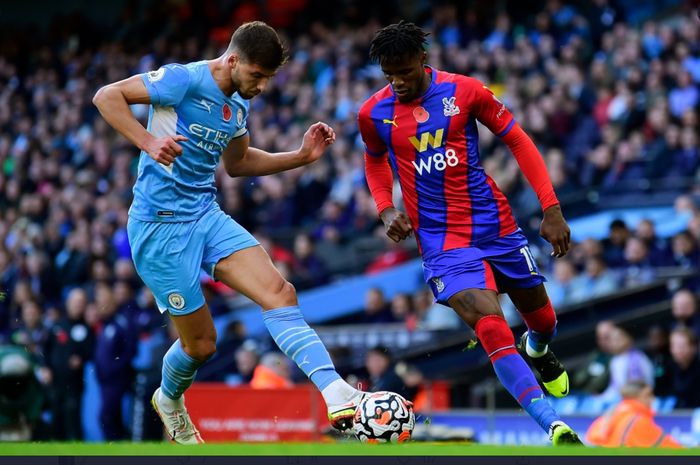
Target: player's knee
202, 349
472, 306
283, 295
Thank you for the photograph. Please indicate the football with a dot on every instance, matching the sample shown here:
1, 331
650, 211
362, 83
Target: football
384, 417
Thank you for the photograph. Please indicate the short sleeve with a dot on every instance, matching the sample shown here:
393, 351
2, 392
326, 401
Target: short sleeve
374, 145
241, 118
167, 85
490, 111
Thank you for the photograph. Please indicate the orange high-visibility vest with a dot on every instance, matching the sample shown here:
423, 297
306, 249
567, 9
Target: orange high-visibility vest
629, 424
265, 378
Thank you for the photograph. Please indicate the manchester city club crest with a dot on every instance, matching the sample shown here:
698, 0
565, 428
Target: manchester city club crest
177, 301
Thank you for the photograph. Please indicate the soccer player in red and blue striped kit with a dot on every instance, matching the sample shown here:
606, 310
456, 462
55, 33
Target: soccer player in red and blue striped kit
424, 124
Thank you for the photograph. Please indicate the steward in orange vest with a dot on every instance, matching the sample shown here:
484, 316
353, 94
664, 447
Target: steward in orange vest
631, 422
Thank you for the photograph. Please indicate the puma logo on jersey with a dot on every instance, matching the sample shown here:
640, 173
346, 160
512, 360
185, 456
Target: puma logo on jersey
390, 121
207, 105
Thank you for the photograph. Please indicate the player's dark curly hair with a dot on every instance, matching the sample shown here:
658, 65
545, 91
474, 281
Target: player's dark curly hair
397, 41
258, 43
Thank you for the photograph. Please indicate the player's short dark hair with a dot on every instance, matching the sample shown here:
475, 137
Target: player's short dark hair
258, 43
396, 42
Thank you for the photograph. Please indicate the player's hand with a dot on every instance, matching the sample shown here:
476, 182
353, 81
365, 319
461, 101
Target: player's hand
316, 140
397, 223
164, 150
555, 231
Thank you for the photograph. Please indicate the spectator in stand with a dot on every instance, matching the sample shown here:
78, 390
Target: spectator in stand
376, 308
659, 253
247, 359
594, 376
402, 310
686, 370
685, 250
382, 372
559, 286
684, 96
638, 269
70, 344
595, 281
659, 352
308, 270
614, 244
114, 350
31, 333
684, 309
627, 364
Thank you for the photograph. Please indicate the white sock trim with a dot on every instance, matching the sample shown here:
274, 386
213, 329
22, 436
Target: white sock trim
339, 392
531, 352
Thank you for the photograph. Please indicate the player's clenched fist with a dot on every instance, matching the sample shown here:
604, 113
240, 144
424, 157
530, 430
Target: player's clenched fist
397, 223
164, 150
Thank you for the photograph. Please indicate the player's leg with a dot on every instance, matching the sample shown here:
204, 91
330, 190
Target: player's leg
479, 308
465, 282
167, 257
234, 257
537, 312
516, 273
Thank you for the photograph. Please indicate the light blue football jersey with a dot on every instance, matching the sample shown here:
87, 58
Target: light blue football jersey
186, 100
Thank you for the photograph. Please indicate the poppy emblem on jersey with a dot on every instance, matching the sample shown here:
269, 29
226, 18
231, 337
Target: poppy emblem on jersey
439, 285
226, 111
421, 114
176, 301
450, 108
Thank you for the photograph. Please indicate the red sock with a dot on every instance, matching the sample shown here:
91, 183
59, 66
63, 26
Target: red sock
542, 324
496, 337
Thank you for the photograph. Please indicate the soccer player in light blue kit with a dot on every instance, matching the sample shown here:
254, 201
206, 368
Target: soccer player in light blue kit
198, 114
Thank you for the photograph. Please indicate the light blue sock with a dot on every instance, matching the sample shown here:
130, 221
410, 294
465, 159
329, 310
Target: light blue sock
179, 370
301, 343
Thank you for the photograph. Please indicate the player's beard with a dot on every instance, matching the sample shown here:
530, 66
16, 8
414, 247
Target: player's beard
243, 92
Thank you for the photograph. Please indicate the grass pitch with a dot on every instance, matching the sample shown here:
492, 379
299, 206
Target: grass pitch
315, 449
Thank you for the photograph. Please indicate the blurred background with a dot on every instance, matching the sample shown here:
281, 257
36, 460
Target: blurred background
608, 89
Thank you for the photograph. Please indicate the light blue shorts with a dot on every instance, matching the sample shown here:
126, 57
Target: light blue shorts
168, 256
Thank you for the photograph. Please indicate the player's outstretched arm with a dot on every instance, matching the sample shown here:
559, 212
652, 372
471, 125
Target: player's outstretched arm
242, 160
113, 102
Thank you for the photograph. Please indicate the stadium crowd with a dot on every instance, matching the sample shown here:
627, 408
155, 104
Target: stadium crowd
612, 99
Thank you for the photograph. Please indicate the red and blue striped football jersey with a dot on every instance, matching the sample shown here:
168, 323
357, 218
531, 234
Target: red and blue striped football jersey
432, 145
